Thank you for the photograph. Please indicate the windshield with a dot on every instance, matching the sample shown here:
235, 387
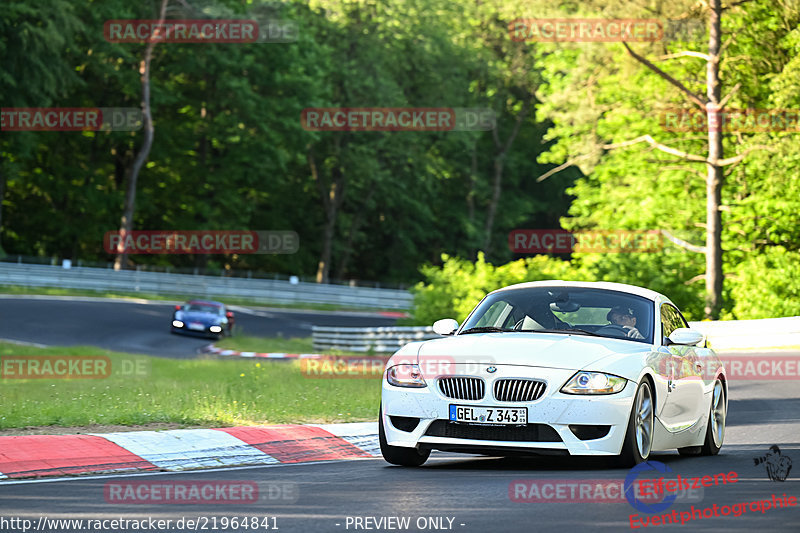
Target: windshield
599, 312
200, 308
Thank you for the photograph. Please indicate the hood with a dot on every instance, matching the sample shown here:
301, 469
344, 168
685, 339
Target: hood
550, 350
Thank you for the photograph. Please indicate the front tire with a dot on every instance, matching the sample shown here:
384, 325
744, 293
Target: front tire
639, 436
398, 455
715, 429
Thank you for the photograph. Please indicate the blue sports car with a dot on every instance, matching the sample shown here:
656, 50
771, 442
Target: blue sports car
201, 317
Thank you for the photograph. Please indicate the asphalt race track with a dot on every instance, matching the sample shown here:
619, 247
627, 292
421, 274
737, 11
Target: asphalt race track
473, 492
126, 326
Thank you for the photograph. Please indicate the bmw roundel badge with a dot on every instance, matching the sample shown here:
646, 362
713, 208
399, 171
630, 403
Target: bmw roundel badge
491, 369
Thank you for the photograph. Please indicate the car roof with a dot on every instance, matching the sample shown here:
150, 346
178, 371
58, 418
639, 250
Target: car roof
206, 302
607, 285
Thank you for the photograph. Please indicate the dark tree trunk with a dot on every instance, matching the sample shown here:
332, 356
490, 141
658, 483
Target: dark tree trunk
714, 179
331, 196
497, 181
347, 253
126, 223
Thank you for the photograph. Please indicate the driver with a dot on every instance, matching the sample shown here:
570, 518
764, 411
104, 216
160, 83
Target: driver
624, 317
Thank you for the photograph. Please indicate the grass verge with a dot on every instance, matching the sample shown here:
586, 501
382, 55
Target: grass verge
199, 392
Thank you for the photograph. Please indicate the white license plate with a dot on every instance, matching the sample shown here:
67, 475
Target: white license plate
488, 415
197, 326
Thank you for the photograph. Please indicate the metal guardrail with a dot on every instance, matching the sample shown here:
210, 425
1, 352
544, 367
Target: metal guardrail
375, 340
276, 291
207, 270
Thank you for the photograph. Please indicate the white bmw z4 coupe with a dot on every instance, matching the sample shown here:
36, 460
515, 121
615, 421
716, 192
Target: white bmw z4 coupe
557, 368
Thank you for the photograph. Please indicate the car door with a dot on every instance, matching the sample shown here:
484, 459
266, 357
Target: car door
685, 398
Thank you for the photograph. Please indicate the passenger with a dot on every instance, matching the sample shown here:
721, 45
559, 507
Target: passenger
541, 313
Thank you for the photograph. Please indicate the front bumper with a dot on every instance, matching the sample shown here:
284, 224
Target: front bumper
206, 332
555, 420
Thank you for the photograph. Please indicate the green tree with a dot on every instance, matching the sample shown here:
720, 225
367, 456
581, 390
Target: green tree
33, 72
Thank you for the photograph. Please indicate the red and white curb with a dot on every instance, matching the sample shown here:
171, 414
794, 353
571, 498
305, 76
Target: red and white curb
394, 314
32, 456
269, 355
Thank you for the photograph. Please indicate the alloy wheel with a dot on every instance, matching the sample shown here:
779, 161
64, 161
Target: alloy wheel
644, 421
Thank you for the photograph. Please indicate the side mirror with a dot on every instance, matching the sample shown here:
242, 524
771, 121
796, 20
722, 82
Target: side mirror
445, 326
686, 336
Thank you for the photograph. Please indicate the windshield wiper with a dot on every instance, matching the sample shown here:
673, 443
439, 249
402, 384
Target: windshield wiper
565, 330
495, 329
485, 329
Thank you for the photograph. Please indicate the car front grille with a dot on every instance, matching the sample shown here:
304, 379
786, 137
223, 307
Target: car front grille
526, 433
518, 390
459, 388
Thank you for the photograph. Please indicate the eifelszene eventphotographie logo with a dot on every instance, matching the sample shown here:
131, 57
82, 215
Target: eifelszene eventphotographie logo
778, 465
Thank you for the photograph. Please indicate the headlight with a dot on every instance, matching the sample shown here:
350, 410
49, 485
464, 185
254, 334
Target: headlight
405, 376
594, 383
177, 324
215, 329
